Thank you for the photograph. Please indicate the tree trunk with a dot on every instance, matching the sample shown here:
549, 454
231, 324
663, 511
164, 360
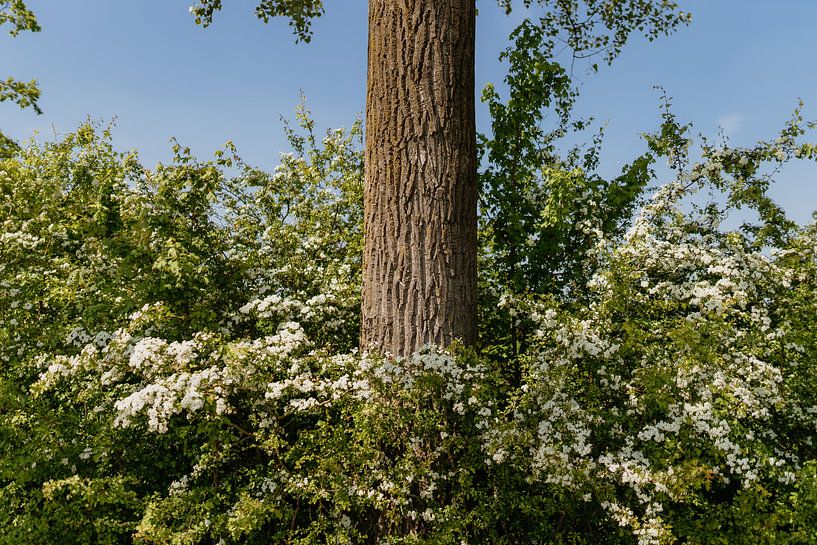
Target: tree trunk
420, 196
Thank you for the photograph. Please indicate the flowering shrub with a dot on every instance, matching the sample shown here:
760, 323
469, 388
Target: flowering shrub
177, 365
682, 399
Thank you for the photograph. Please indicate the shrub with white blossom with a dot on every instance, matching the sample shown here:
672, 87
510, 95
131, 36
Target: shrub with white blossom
177, 365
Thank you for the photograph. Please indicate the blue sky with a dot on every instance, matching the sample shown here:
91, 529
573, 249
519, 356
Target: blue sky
741, 65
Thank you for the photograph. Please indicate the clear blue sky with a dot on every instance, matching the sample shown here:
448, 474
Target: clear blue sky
742, 64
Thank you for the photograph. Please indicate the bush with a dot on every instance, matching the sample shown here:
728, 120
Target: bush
178, 364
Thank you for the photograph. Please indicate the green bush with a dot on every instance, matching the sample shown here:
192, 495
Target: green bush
178, 363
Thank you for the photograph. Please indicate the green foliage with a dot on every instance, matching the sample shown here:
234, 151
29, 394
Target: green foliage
541, 212
602, 27
689, 364
178, 364
299, 12
90, 237
25, 95
8, 147
589, 27
16, 14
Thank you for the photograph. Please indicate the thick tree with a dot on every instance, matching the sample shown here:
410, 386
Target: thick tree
420, 197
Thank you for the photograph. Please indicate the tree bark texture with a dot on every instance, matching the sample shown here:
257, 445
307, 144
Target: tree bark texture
420, 196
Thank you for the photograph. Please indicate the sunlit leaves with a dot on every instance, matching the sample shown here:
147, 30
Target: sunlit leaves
299, 12
16, 14
588, 28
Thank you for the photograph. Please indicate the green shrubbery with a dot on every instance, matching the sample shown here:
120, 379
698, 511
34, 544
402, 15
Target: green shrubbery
178, 363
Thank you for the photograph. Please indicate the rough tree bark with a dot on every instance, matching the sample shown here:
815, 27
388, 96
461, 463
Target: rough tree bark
420, 196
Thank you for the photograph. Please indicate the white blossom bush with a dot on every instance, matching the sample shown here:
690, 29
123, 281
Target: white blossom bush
364, 446
178, 364
681, 398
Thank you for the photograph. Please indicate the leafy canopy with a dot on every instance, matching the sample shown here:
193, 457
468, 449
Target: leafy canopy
587, 27
299, 12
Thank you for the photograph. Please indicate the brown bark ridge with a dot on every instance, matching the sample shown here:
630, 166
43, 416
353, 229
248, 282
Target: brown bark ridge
420, 196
